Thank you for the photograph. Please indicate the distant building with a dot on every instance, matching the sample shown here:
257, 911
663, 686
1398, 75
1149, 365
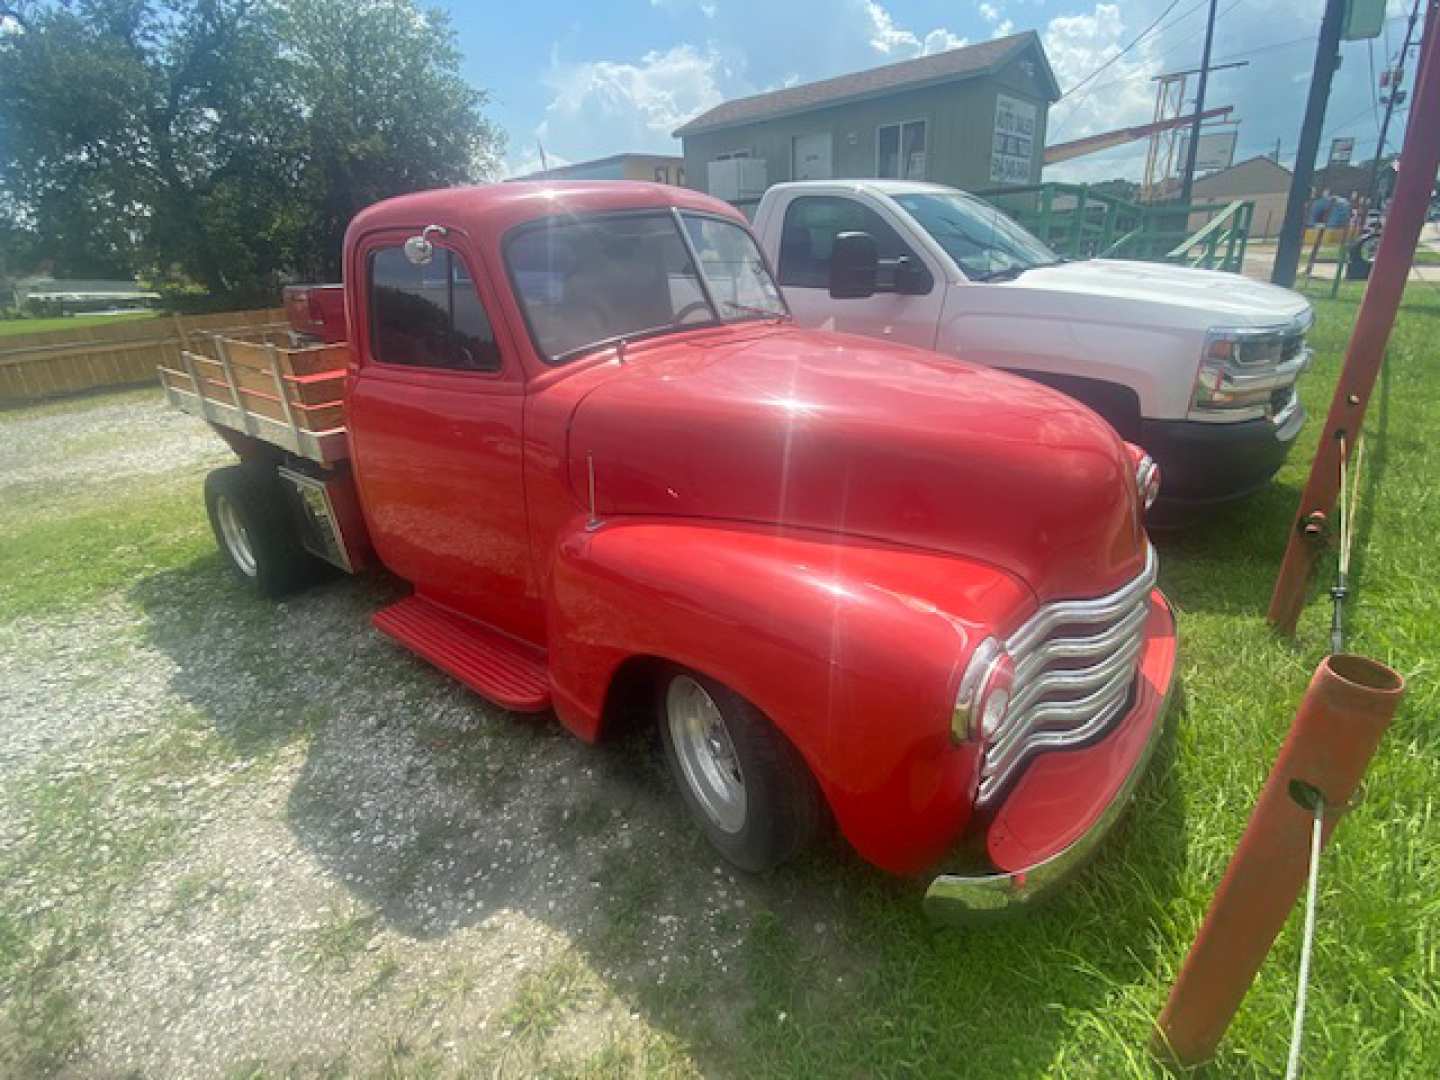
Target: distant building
61, 295
1260, 180
973, 117
660, 168
1353, 181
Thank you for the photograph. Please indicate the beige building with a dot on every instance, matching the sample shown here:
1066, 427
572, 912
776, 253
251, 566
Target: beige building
659, 168
1260, 180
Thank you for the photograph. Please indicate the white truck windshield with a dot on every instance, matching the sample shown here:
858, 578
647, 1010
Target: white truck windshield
586, 282
985, 243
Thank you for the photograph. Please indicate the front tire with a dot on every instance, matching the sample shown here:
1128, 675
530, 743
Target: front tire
743, 781
254, 531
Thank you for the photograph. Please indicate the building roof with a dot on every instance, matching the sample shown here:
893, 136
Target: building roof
966, 62
557, 172
1254, 176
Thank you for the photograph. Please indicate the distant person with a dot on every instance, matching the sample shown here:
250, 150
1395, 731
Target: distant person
1320, 208
1338, 215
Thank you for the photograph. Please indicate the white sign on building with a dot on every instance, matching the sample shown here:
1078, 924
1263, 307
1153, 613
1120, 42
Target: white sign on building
1216, 151
1012, 156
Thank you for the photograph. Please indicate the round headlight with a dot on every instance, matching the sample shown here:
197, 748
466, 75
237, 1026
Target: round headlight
992, 713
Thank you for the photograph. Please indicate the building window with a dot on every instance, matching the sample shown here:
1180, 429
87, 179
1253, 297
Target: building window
900, 151
428, 316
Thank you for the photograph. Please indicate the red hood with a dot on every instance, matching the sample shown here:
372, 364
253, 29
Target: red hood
825, 431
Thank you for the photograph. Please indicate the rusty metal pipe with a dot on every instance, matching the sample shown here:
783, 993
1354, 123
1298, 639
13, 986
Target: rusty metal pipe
1419, 159
1345, 711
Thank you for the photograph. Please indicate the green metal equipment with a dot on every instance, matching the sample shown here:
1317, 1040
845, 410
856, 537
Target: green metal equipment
1080, 222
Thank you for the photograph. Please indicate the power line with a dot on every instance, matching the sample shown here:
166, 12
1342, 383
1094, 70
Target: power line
1136, 41
1257, 50
1128, 78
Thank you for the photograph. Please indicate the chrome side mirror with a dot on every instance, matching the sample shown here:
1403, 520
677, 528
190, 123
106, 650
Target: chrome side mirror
418, 249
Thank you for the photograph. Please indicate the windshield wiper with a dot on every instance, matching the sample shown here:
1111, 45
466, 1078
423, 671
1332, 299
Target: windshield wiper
616, 340
749, 309
1007, 274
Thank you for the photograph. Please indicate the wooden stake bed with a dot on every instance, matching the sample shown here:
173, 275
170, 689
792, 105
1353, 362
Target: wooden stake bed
290, 397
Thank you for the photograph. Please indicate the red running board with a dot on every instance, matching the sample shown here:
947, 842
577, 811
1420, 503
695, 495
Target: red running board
506, 671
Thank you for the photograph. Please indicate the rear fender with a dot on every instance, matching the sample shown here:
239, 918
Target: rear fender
853, 649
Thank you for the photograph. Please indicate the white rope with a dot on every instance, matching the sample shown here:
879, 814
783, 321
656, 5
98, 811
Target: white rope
1354, 499
1297, 1033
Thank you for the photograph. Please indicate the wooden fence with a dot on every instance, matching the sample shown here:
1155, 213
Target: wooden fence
38, 366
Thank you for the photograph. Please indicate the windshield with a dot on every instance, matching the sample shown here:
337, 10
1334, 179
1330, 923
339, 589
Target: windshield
588, 281
979, 237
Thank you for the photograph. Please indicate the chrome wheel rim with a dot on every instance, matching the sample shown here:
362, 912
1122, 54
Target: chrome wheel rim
706, 753
235, 535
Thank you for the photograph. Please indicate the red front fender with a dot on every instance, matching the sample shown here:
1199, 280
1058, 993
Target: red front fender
852, 647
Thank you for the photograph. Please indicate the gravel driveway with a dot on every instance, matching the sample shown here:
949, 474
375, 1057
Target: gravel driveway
248, 839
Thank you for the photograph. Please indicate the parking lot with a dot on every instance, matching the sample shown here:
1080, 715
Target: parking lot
250, 839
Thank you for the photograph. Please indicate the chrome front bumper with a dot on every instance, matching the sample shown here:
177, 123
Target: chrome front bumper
956, 898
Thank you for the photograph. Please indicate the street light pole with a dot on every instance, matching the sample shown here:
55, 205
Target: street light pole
1187, 181
1327, 59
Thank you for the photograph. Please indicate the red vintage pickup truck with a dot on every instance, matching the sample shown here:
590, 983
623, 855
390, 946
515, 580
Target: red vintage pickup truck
858, 582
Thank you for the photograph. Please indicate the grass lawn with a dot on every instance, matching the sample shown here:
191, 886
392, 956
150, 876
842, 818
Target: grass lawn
837, 972
1329, 253
70, 322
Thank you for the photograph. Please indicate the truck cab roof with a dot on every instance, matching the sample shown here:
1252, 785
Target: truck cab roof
493, 208
879, 185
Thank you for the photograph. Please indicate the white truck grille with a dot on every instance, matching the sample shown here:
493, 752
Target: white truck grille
1075, 664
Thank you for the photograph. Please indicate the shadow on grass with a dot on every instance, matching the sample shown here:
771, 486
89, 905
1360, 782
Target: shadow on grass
1224, 561
439, 813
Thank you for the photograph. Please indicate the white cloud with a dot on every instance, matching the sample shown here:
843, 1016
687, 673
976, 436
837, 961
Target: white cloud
941, 40
604, 107
894, 41
1121, 95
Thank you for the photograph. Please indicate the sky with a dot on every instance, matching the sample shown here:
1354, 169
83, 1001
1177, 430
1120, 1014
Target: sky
589, 79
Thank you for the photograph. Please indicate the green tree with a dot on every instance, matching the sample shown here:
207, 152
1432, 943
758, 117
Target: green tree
126, 123
387, 112
225, 141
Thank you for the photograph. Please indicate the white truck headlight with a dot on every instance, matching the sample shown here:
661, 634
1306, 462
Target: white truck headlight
1242, 367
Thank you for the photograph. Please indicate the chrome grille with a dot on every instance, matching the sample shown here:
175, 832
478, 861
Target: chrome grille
1075, 663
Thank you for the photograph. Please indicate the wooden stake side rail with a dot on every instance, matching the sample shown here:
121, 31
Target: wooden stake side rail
291, 398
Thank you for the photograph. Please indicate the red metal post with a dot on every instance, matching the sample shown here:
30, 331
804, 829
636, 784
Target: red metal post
1419, 160
1346, 709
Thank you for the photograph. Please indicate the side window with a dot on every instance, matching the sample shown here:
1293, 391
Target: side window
428, 316
808, 234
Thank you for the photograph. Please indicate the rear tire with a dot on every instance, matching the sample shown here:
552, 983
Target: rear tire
254, 531
746, 785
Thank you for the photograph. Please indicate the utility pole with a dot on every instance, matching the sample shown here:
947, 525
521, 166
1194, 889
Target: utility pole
1389, 109
1327, 59
1187, 182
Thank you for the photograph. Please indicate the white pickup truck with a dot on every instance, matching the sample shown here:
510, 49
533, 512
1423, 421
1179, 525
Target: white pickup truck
1198, 367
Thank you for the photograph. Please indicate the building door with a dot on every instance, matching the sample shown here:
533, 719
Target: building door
812, 157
